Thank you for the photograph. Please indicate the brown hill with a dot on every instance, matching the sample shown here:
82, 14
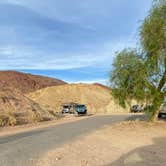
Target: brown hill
16, 108
26, 83
96, 97
104, 86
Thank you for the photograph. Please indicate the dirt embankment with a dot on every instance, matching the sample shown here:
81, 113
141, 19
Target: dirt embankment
16, 108
25, 83
97, 98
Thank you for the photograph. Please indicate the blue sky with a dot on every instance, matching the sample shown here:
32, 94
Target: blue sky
73, 40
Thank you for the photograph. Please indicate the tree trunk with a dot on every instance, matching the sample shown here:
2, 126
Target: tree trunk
154, 117
158, 100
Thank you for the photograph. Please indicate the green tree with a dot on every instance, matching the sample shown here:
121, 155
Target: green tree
153, 41
143, 76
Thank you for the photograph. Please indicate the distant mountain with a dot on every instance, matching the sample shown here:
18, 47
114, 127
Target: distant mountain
25, 83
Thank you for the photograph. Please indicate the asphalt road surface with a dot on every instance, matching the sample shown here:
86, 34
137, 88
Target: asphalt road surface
23, 148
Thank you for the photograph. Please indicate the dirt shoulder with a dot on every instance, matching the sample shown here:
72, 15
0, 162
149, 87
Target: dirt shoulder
125, 144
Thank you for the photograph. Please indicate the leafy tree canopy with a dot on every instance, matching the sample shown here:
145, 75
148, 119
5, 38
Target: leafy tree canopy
142, 75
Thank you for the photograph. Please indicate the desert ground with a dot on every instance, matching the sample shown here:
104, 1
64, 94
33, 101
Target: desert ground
130, 143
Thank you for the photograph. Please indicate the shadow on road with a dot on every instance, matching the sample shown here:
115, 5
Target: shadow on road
162, 118
140, 117
151, 155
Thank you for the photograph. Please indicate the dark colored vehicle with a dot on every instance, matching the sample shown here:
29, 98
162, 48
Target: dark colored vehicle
136, 108
162, 111
74, 108
81, 109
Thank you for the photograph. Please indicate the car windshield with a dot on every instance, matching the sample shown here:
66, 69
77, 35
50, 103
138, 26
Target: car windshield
65, 106
80, 106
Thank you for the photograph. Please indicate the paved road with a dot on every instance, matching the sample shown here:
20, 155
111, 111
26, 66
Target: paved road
21, 149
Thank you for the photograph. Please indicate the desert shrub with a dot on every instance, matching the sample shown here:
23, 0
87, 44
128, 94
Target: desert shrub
34, 117
8, 118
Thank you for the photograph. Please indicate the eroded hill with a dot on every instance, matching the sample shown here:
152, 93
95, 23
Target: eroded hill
26, 83
16, 108
97, 98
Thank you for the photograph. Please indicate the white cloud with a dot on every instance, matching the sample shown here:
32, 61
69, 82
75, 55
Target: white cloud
101, 81
6, 51
24, 57
27, 58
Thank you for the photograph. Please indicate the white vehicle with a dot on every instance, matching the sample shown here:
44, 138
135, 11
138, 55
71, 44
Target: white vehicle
66, 109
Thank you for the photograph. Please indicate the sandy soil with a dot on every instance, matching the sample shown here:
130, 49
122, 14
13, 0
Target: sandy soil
125, 144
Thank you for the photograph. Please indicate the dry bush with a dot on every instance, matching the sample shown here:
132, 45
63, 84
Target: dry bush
8, 118
34, 117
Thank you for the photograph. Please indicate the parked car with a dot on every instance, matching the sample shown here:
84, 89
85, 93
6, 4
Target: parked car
81, 109
136, 108
74, 108
163, 110
66, 109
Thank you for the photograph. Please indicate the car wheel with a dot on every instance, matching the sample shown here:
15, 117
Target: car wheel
160, 116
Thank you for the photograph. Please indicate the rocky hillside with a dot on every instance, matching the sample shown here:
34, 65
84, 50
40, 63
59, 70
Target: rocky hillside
97, 98
16, 108
26, 83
